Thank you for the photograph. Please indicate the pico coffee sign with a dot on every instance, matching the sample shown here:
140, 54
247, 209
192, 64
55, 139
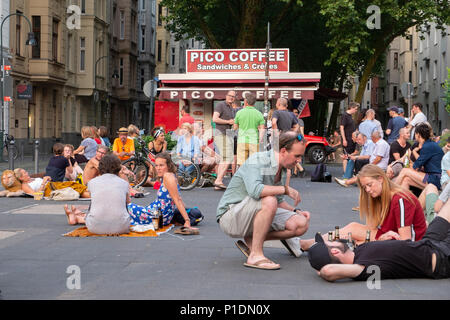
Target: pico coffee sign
236, 60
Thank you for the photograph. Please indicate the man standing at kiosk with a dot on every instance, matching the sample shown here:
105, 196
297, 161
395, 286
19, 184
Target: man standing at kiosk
223, 117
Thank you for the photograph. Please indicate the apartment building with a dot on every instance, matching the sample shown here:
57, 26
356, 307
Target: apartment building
146, 60
433, 59
124, 55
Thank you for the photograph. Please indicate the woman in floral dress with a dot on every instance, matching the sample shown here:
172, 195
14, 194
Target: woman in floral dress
168, 196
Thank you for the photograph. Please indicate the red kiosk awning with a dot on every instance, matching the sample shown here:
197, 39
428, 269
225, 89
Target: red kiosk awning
214, 86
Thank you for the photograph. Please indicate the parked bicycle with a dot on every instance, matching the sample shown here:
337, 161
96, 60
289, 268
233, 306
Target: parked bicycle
142, 165
7, 148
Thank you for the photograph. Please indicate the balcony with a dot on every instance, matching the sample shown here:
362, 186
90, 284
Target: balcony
46, 70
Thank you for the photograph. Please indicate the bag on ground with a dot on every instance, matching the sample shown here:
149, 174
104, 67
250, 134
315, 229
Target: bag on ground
195, 216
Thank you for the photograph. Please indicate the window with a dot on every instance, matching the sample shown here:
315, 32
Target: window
410, 76
368, 85
143, 38
114, 22
36, 50
172, 57
395, 60
55, 26
153, 7
152, 46
83, 54
435, 36
83, 6
121, 72
142, 78
159, 15
133, 28
435, 66
420, 75
69, 51
18, 33
410, 43
159, 50
122, 24
143, 5
395, 93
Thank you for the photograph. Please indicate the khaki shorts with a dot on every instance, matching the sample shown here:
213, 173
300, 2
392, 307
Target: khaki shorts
225, 144
237, 222
245, 150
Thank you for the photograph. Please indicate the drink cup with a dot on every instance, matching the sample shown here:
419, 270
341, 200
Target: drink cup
38, 195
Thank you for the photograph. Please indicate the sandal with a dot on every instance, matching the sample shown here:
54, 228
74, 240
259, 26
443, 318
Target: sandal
258, 265
243, 247
187, 231
220, 186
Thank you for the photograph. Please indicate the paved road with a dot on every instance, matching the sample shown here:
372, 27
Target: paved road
35, 257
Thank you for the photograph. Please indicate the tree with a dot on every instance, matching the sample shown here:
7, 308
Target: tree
230, 23
353, 35
446, 86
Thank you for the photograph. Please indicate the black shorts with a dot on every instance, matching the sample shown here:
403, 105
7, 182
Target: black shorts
351, 146
438, 233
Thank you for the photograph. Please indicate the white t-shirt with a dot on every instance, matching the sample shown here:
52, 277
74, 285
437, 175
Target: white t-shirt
108, 212
418, 119
35, 184
381, 149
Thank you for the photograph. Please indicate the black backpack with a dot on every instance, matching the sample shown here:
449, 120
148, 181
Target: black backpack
320, 174
195, 215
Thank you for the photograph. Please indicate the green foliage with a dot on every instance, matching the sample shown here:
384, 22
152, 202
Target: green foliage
446, 86
443, 140
171, 144
359, 48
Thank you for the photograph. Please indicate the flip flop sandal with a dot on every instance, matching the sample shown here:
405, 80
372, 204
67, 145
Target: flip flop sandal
243, 247
220, 186
186, 231
258, 265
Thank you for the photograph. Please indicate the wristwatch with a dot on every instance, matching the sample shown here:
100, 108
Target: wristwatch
295, 210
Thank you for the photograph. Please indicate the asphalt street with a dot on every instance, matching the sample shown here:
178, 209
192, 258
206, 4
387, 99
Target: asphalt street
37, 262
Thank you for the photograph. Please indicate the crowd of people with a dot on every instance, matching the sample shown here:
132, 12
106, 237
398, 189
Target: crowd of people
401, 172
401, 207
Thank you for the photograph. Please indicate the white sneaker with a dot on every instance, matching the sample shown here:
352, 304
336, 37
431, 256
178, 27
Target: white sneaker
341, 182
293, 246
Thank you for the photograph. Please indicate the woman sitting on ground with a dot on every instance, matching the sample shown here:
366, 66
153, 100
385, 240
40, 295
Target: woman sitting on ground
159, 143
68, 153
390, 212
32, 185
87, 148
108, 212
168, 199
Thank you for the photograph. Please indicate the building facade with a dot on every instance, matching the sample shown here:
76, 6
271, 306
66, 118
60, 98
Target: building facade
146, 59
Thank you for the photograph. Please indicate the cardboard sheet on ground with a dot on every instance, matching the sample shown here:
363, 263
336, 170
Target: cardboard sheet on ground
83, 232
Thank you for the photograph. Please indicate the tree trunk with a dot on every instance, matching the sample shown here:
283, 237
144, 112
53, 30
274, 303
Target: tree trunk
367, 72
252, 11
334, 113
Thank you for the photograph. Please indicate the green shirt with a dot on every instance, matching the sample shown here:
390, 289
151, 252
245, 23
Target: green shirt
258, 171
248, 120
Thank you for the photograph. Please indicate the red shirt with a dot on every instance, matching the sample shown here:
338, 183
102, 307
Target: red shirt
403, 213
186, 118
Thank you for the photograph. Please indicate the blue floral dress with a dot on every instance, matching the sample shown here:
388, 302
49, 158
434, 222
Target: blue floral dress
164, 202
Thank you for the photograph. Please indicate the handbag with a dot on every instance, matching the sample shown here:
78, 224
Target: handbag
195, 216
65, 194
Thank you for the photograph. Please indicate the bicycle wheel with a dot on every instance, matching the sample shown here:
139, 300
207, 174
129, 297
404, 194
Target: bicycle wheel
188, 174
139, 169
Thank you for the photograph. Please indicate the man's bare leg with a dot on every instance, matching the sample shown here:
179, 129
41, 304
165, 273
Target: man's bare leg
261, 224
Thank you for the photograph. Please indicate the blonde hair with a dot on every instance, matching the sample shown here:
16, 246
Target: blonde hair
188, 127
375, 210
132, 129
86, 132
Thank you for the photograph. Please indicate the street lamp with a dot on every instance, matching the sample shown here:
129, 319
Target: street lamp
31, 41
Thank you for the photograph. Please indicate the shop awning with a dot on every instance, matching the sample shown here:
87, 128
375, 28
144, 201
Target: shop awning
215, 86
